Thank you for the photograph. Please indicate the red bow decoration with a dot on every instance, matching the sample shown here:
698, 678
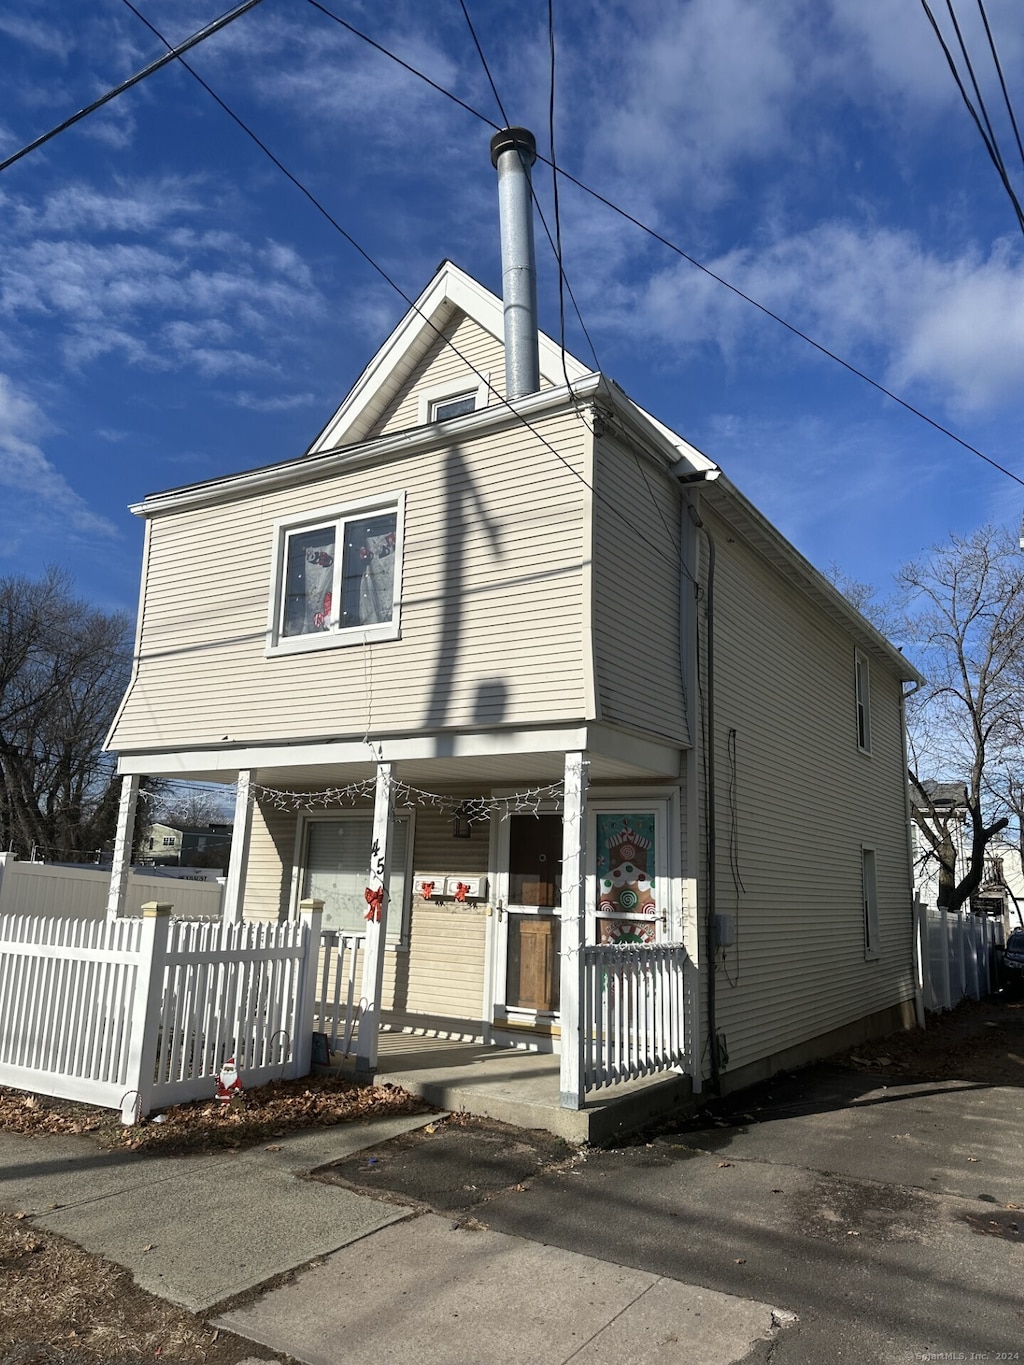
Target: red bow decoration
461, 891
375, 901
428, 890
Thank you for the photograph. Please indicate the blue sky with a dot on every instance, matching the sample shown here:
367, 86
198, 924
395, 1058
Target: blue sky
172, 309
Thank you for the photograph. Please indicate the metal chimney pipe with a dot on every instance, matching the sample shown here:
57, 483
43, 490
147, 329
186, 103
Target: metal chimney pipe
513, 152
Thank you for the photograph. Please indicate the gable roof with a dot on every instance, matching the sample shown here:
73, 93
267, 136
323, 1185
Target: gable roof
450, 291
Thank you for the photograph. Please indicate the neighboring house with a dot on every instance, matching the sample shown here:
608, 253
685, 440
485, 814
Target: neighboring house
206, 845
1001, 892
544, 660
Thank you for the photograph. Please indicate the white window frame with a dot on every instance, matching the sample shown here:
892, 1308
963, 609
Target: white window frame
869, 902
862, 694
399, 917
337, 636
454, 388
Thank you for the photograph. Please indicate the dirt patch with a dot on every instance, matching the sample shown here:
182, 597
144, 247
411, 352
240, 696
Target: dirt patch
980, 1041
61, 1306
256, 1116
455, 1164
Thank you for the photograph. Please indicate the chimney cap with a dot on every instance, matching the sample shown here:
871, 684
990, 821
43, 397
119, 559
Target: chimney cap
518, 139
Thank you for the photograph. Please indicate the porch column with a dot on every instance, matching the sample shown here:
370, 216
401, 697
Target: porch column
123, 846
376, 923
574, 913
241, 837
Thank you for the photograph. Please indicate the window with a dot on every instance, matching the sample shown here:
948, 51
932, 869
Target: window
869, 889
862, 685
453, 398
336, 870
444, 408
337, 578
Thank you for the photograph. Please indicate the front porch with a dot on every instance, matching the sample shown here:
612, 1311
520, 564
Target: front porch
515, 1086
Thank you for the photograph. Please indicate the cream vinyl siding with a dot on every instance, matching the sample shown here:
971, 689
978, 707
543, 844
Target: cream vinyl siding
491, 614
797, 801
484, 354
635, 606
440, 972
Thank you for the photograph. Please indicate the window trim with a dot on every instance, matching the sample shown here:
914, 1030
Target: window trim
452, 388
278, 645
393, 939
869, 902
862, 699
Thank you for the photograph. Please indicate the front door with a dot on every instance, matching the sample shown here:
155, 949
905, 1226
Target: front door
529, 924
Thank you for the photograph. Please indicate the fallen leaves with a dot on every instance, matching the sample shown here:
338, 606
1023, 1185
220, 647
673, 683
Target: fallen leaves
258, 1116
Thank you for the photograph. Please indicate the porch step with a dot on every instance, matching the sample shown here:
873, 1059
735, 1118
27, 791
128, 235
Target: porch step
521, 1088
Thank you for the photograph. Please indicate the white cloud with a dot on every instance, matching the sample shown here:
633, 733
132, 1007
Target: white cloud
908, 315
120, 273
27, 473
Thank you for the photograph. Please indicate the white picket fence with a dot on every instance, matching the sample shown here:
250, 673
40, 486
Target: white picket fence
956, 955
137, 1014
338, 1004
634, 1003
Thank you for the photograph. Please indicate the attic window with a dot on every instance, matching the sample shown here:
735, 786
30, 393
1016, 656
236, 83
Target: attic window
443, 408
453, 398
337, 577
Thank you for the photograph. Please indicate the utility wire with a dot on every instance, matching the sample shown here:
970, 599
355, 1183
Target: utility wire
483, 59
975, 86
500, 398
169, 56
692, 260
992, 151
1002, 81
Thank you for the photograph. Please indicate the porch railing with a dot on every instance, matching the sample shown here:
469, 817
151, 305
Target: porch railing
340, 978
633, 1011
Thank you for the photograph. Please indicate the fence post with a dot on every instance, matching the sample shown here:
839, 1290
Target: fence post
145, 1018
919, 921
311, 912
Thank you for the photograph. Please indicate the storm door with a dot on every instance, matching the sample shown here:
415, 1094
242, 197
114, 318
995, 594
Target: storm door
529, 923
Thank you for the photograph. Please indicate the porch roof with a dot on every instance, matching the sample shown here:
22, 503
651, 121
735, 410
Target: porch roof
456, 759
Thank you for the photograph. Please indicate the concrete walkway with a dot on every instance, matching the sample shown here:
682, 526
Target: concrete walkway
837, 1217
387, 1283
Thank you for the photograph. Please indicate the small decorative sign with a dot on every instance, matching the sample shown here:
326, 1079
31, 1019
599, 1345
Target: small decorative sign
321, 1050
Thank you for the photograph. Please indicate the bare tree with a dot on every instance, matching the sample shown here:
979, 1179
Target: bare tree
963, 613
63, 668
192, 807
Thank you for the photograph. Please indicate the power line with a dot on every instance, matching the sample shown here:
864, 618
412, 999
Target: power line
1002, 82
169, 56
992, 149
692, 260
308, 194
483, 59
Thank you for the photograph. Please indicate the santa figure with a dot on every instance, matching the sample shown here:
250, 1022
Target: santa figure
229, 1083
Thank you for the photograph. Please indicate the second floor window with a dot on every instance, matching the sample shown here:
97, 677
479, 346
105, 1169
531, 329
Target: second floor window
337, 578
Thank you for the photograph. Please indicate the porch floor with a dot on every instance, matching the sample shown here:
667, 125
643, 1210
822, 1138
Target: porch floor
516, 1086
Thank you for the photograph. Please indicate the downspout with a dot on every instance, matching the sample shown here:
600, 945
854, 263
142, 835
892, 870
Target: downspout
919, 1011
711, 827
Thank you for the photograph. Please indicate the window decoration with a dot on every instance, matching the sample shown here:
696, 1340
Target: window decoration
337, 578
627, 908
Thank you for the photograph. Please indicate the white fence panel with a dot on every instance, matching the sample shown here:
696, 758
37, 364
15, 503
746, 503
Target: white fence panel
67, 990
48, 890
235, 990
340, 975
957, 953
633, 1011
140, 1013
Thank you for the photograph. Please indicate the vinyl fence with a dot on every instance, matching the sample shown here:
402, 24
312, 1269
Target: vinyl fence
634, 1003
339, 1004
956, 955
137, 1014
81, 892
